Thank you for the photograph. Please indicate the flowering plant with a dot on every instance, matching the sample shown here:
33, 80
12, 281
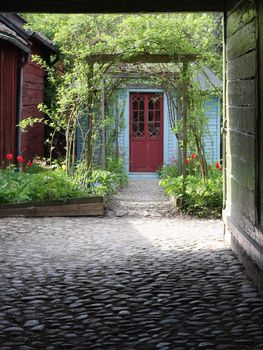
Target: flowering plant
218, 166
20, 159
9, 156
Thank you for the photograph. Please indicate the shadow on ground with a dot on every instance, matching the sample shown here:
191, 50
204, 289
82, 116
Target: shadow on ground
123, 284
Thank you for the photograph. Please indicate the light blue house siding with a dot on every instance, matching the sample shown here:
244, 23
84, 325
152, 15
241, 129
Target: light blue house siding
212, 136
170, 146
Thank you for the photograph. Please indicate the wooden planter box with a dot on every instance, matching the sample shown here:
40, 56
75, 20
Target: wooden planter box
90, 206
176, 201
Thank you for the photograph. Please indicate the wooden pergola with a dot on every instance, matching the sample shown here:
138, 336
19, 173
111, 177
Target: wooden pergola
141, 58
183, 58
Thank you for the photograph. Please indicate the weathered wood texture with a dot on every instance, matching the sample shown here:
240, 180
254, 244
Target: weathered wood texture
93, 206
242, 125
10, 59
113, 6
32, 141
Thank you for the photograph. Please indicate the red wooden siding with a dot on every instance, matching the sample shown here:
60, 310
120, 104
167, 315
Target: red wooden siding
10, 57
146, 132
32, 141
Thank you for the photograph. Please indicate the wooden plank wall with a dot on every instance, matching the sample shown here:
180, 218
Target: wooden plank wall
10, 58
32, 141
241, 147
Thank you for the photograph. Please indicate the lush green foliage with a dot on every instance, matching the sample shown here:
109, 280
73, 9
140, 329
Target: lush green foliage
169, 170
76, 81
77, 35
22, 186
200, 197
79, 86
116, 166
38, 182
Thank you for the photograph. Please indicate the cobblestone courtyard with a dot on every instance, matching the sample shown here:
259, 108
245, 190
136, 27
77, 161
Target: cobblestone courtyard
123, 283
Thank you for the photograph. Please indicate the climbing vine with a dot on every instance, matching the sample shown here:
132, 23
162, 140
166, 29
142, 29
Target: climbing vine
77, 108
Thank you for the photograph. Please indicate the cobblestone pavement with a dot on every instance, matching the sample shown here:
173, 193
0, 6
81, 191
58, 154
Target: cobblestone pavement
123, 283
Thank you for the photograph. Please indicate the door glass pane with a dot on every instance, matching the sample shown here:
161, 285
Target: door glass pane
138, 103
157, 115
154, 116
141, 104
153, 129
142, 117
151, 103
157, 103
138, 130
138, 122
135, 105
154, 102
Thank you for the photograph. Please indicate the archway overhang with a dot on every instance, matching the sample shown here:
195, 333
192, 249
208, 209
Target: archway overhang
180, 58
115, 6
142, 58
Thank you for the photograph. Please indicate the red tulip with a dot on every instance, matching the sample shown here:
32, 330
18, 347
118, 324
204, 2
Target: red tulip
217, 165
187, 161
29, 164
9, 156
194, 156
20, 159
220, 169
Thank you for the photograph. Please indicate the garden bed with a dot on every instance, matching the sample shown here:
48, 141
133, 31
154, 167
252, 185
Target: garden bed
90, 206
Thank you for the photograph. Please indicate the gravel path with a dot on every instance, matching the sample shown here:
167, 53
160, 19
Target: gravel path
123, 283
141, 198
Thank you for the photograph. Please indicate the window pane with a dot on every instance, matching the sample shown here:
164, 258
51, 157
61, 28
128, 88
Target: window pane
141, 104
157, 116
135, 104
135, 116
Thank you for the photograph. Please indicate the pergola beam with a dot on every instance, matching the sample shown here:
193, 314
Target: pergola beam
144, 75
141, 58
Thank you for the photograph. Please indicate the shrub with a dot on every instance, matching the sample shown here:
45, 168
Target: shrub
35, 181
201, 197
102, 182
169, 169
49, 185
116, 166
40, 183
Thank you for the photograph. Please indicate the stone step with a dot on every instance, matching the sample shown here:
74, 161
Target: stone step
120, 212
141, 198
152, 205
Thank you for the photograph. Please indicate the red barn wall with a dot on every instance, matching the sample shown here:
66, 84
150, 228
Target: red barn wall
32, 141
10, 58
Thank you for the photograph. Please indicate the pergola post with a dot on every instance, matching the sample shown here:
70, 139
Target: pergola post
103, 136
116, 109
89, 148
184, 120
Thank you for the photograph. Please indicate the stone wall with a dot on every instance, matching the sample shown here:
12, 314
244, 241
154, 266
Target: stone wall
240, 135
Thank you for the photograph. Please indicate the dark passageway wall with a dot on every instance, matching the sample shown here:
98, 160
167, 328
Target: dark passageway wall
241, 139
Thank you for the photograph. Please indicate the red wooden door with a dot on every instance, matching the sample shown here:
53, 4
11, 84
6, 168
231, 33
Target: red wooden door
146, 132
